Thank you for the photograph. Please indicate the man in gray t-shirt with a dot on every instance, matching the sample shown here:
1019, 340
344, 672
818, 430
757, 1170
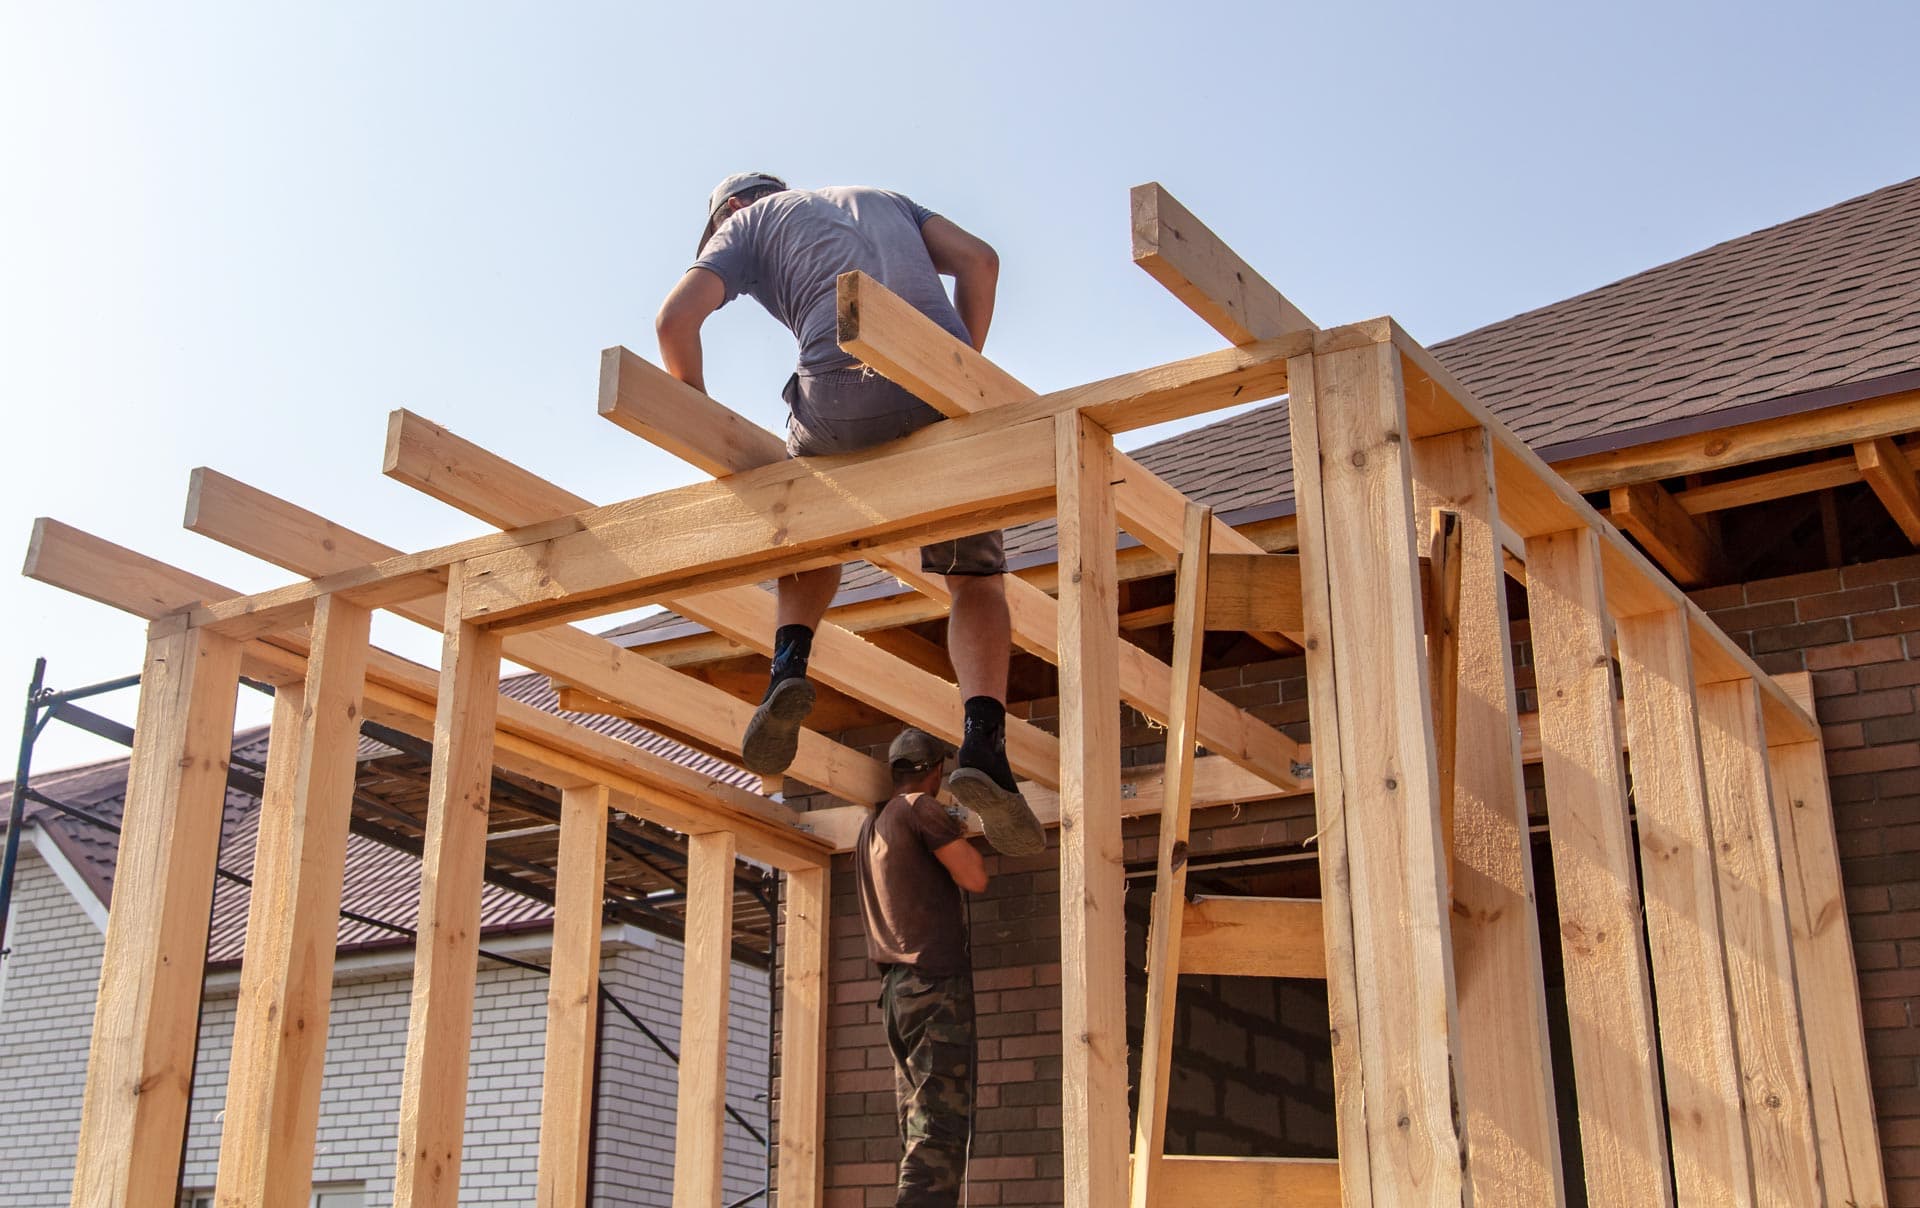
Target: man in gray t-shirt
787, 248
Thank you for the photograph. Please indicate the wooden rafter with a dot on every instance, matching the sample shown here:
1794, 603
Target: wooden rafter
1676, 540
1887, 470
1210, 279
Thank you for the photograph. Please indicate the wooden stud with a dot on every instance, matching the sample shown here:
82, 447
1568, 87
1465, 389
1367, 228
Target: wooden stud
698, 1141
1170, 882
433, 1088
807, 956
1378, 714
1677, 541
146, 1019
1891, 475
1443, 662
272, 1111
1609, 1008
1711, 1164
1294, 1182
1842, 1084
1506, 1090
1092, 877
1177, 250
1759, 954
573, 1000
1253, 937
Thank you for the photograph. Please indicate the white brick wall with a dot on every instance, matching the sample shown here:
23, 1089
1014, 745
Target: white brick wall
46, 1017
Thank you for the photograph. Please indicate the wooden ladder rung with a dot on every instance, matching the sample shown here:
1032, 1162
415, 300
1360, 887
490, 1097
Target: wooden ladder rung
1253, 937
1295, 1182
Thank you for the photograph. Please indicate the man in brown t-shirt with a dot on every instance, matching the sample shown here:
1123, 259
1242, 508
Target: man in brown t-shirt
912, 862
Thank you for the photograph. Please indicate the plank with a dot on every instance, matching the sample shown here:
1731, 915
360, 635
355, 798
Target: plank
1507, 1092
1092, 876
1759, 954
699, 1119
1408, 1030
1208, 277
806, 953
1253, 937
1887, 470
1711, 1164
1764, 488
564, 1175
146, 1018
272, 1114
1609, 1008
1164, 962
664, 411
433, 1086
1251, 592
1329, 800
1840, 1079
1676, 540
1295, 1182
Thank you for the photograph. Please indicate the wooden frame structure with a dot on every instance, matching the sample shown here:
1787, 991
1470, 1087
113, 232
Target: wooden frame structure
1724, 933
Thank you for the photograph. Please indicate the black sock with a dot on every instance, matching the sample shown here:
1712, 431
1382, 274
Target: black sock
985, 714
791, 646
984, 745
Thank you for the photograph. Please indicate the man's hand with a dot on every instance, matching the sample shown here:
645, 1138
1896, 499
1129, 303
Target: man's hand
975, 269
697, 295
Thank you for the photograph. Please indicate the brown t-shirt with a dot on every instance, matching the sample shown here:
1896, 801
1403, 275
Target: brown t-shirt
913, 910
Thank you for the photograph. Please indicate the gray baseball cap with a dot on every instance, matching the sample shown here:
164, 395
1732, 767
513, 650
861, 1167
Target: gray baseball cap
916, 750
731, 187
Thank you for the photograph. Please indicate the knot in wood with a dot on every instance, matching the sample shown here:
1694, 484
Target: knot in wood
1359, 459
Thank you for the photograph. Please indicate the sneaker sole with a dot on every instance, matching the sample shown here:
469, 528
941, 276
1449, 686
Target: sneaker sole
1006, 818
773, 735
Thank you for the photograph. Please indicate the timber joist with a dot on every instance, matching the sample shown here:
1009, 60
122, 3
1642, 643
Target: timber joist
1717, 1053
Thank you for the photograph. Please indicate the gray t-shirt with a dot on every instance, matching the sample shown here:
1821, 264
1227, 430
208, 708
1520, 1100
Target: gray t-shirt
787, 249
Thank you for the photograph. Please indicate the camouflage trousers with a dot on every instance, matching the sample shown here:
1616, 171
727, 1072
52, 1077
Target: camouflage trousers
930, 1033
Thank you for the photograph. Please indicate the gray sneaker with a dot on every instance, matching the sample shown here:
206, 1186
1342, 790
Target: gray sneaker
1005, 816
773, 733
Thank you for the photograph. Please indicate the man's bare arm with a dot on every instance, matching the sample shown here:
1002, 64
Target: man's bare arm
963, 862
975, 269
694, 297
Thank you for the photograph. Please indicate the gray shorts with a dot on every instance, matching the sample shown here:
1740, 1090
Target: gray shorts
853, 409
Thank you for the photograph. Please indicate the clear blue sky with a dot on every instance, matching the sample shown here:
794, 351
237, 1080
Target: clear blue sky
238, 235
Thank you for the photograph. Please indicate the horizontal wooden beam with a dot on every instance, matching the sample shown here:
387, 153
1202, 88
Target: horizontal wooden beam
666, 412
1676, 540
1295, 1182
1254, 592
1254, 937
1891, 475
1208, 277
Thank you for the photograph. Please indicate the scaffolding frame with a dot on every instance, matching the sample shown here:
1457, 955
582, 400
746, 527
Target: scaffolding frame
1431, 953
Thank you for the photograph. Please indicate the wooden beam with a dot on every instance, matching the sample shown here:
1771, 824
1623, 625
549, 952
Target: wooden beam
146, 1019
1252, 592
806, 952
1254, 937
1344, 1004
1170, 882
1443, 663
272, 1111
664, 411
1842, 1084
573, 1001
433, 1086
1506, 1091
842, 660
699, 1121
1092, 876
1759, 955
1774, 484
1891, 475
1609, 1007
1711, 1164
1380, 720
1295, 1182
1676, 540
1210, 279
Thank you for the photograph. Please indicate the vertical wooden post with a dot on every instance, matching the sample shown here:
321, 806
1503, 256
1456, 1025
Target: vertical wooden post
1329, 793
1092, 877
573, 999
1828, 981
433, 1088
1357, 534
140, 1061
698, 1143
293, 921
1170, 883
1513, 1135
803, 1038
1623, 1130
1711, 1165
1759, 952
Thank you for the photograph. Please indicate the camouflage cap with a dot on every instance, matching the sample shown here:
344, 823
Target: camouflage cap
916, 750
